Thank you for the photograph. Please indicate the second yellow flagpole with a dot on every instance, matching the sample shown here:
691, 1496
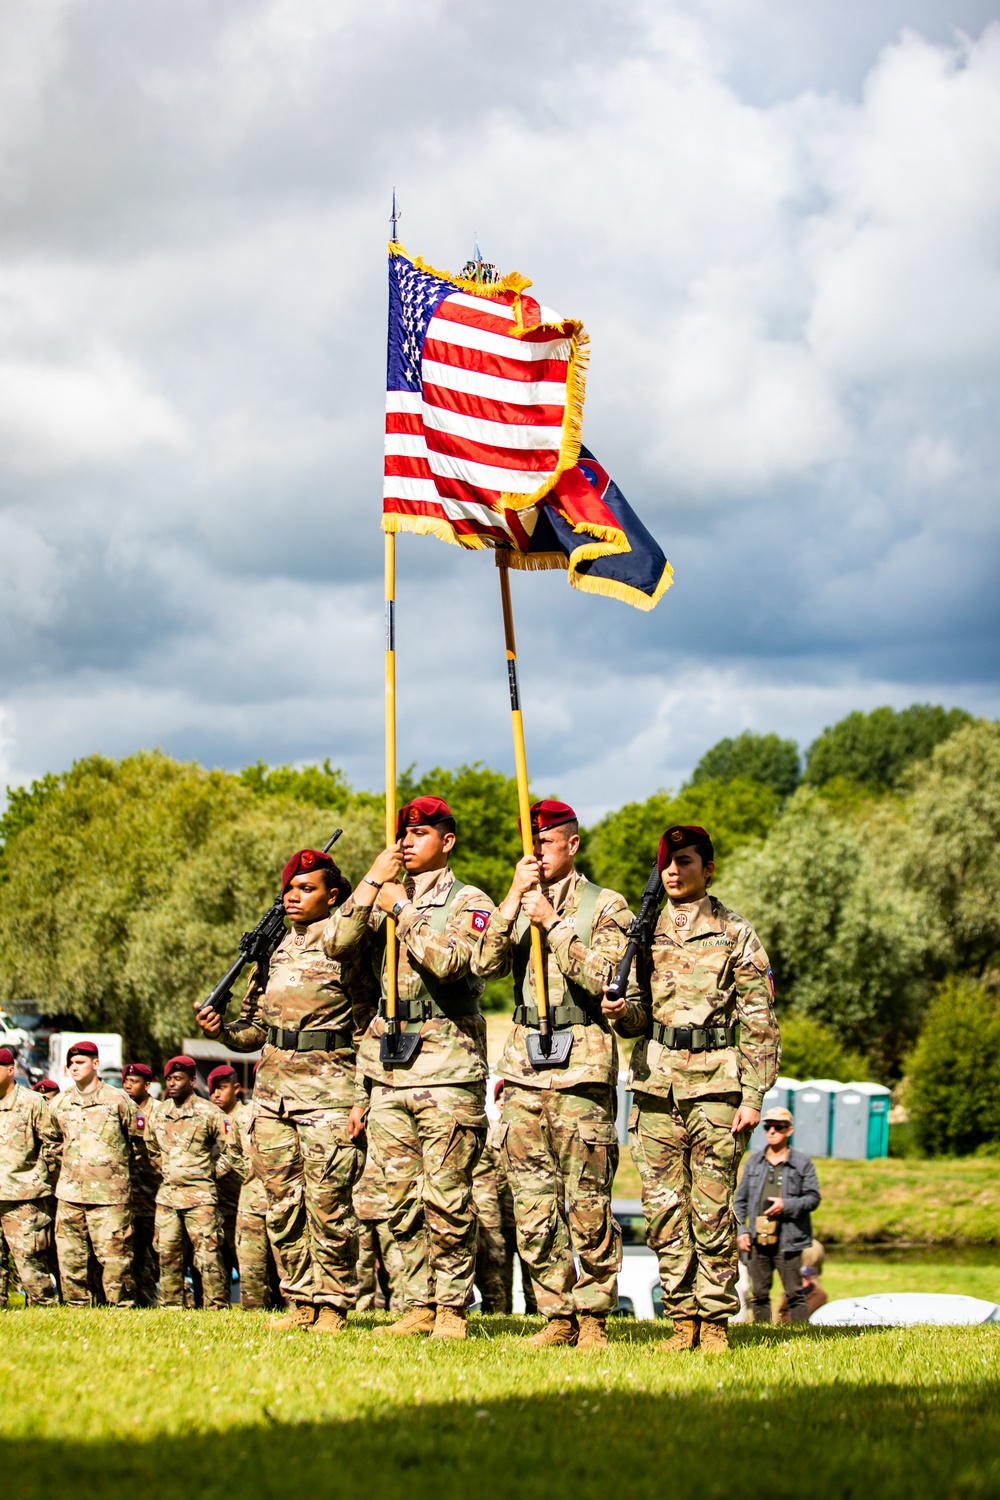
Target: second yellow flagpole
523, 795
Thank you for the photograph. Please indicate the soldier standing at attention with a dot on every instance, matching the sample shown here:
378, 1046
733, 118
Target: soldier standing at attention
136, 1078
252, 1243
426, 1120
94, 1193
377, 1250
186, 1139
224, 1092
698, 1086
30, 1144
557, 1135
305, 1020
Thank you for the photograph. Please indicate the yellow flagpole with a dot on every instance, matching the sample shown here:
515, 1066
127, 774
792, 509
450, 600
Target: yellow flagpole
523, 795
390, 765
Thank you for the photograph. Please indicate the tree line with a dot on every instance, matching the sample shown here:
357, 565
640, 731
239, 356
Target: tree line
870, 867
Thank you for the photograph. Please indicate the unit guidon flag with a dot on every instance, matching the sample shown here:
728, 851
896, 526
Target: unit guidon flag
484, 407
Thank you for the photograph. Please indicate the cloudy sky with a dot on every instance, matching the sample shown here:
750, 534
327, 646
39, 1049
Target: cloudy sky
780, 222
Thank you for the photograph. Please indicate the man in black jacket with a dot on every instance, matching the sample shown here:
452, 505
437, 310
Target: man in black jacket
777, 1193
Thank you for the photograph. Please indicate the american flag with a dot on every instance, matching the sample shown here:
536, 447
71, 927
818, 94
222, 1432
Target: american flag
484, 406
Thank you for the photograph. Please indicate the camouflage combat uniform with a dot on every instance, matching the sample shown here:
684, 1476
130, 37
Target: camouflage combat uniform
306, 1020
375, 1241
708, 973
186, 1145
30, 1145
94, 1192
254, 1253
491, 1245
557, 1137
427, 1121
230, 1188
145, 1181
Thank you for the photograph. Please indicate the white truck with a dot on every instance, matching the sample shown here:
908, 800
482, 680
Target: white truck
109, 1048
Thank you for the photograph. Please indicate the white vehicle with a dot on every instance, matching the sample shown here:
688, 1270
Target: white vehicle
14, 1037
109, 1048
903, 1310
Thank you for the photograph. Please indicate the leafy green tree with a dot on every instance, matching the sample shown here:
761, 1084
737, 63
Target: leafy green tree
848, 943
953, 1074
24, 804
752, 757
949, 849
106, 852
876, 748
320, 786
809, 1049
621, 848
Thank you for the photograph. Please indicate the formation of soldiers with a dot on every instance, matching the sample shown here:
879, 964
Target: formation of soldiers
360, 1174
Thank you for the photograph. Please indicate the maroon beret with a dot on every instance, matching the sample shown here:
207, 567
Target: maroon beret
423, 812
549, 814
139, 1069
187, 1063
6, 1057
46, 1086
89, 1049
305, 859
220, 1075
681, 836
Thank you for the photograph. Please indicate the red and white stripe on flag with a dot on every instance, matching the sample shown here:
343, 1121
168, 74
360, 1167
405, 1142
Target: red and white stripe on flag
472, 453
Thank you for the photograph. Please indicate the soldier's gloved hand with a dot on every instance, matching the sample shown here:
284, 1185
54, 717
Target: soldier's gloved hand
208, 1019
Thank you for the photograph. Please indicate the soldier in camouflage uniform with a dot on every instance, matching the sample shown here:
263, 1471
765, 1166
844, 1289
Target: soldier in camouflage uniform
30, 1146
306, 1020
427, 1121
375, 1242
94, 1192
186, 1140
136, 1078
224, 1092
698, 1086
491, 1246
255, 1256
557, 1138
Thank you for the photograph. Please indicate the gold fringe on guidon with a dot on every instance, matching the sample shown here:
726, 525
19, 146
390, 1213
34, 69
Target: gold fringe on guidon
611, 588
576, 374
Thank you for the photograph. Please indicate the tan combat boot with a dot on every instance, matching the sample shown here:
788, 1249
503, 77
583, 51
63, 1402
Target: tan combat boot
556, 1331
449, 1323
417, 1320
685, 1336
300, 1315
593, 1334
330, 1320
714, 1338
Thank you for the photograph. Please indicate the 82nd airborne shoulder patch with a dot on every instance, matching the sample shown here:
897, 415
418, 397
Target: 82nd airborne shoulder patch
480, 920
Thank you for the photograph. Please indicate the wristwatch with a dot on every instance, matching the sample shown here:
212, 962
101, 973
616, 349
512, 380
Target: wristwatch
399, 907
369, 881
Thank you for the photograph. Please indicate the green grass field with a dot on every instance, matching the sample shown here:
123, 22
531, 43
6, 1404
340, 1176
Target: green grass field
944, 1201
172, 1404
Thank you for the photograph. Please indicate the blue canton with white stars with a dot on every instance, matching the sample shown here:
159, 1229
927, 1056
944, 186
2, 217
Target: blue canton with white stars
414, 297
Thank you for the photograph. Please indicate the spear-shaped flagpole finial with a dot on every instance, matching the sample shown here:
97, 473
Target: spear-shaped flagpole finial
394, 218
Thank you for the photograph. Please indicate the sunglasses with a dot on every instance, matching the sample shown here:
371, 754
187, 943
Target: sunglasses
780, 1127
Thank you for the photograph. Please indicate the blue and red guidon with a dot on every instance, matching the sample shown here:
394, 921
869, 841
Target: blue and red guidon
484, 405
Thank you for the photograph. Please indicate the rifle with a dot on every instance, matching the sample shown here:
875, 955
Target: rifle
640, 934
256, 947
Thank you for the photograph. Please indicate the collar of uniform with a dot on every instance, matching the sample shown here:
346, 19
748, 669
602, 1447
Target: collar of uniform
311, 931
431, 887
187, 1108
84, 1101
562, 892
701, 917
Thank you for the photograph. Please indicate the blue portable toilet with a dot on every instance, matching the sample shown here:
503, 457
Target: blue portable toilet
861, 1122
814, 1116
780, 1096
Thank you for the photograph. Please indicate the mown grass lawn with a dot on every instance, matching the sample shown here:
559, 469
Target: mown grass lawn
200, 1404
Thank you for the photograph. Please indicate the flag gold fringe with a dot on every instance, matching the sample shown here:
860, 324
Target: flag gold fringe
612, 588
432, 526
